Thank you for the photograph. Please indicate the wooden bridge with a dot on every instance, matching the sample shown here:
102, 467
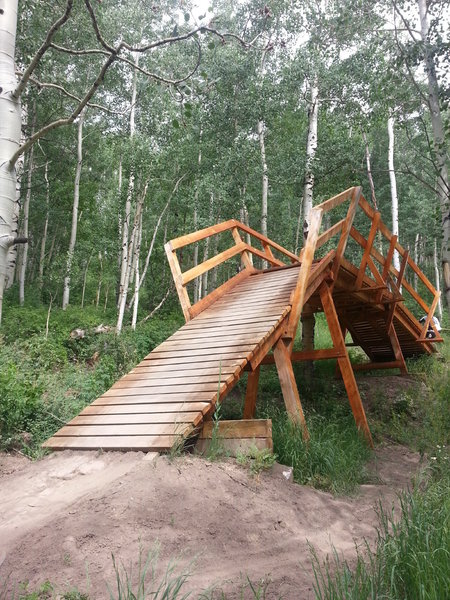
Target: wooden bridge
251, 320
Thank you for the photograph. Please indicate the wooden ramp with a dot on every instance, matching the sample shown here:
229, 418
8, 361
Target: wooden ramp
167, 396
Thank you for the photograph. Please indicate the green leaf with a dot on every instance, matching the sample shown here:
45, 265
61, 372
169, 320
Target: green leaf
175, 124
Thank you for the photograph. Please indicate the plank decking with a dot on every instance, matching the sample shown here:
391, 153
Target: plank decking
167, 396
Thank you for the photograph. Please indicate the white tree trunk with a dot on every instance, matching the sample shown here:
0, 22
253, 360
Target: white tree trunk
196, 280
265, 177
134, 241
85, 280
369, 171
10, 128
136, 277
311, 148
26, 214
76, 202
439, 146
437, 284
127, 217
204, 278
416, 259
13, 251
307, 318
100, 280
393, 181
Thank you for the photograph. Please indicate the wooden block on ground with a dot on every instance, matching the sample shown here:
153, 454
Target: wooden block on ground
237, 435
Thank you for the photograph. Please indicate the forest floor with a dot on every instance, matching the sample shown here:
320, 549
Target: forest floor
63, 517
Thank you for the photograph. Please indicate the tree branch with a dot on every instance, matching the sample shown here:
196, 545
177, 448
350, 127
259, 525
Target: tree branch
44, 47
158, 43
79, 52
164, 79
61, 122
60, 88
98, 35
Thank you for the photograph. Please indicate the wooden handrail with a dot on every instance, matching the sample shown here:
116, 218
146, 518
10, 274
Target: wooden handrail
245, 250
388, 276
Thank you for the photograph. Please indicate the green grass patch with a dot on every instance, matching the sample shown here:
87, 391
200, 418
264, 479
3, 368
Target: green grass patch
335, 457
411, 556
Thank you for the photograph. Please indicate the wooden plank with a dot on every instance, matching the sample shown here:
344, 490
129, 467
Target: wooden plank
168, 378
303, 275
264, 256
108, 430
346, 229
329, 233
222, 332
190, 238
144, 443
226, 352
234, 447
289, 386
137, 418
177, 277
250, 428
242, 304
430, 314
212, 297
193, 344
251, 394
336, 200
389, 257
246, 258
185, 373
130, 409
206, 361
212, 262
138, 386
322, 354
368, 249
280, 291
149, 396
265, 239
344, 362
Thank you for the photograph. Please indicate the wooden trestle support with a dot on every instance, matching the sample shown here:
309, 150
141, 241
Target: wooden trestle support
251, 320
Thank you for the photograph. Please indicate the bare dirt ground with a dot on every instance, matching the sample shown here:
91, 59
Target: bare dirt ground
62, 517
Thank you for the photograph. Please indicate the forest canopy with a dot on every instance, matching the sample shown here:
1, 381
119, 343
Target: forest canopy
125, 124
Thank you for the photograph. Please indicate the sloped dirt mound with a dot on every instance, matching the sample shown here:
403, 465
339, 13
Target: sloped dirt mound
64, 516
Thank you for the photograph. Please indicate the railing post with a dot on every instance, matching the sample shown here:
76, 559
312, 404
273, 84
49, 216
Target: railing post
245, 256
178, 279
346, 227
302, 281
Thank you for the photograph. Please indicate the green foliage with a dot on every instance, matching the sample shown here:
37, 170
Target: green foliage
45, 382
335, 457
411, 556
419, 417
19, 398
256, 460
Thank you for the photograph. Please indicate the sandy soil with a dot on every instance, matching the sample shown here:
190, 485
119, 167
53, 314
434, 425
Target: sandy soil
62, 517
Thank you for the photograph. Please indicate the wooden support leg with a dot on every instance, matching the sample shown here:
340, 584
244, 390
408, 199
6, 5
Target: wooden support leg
397, 350
250, 395
289, 386
337, 370
344, 362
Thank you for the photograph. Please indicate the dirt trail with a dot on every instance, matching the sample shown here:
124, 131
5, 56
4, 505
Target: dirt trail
62, 517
